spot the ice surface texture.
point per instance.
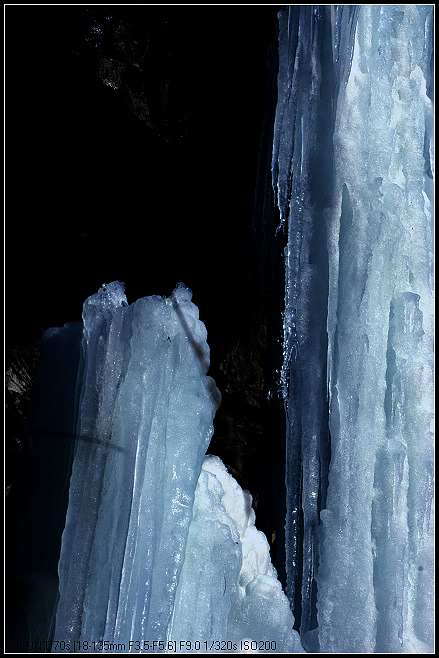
(140, 560)
(358, 326)
(228, 586)
(315, 47)
(161, 546)
(150, 413)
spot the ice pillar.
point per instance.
(352, 173)
(376, 556)
(309, 81)
(145, 422)
(160, 552)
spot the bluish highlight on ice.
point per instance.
(358, 322)
(160, 544)
(158, 547)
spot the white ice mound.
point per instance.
(228, 587)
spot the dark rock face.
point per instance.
(146, 61)
(239, 421)
(37, 485)
(21, 361)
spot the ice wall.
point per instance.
(309, 80)
(380, 326)
(157, 554)
(358, 324)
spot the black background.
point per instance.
(94, 194)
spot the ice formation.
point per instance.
(160, 545)
(157, 553)
(352, 173)
(229, 588)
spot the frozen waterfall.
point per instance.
(161, 551)
(352, 173)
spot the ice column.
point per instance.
(309, 81)
(377, 534)
(145, 423)
(160, 552)
(352, 174)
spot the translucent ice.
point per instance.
(159, 545)
(352, 172)
(315, 49)
(378, 524)
(149, 411)
(156, 549)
